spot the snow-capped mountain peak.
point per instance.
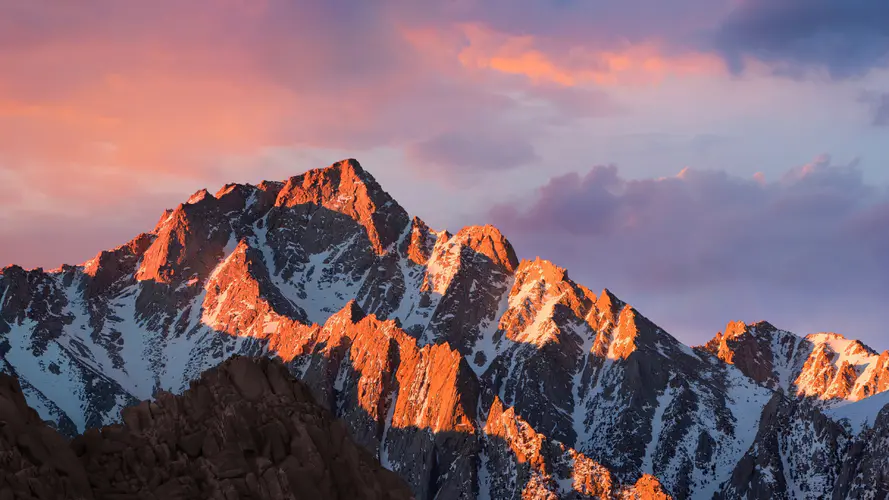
(447, 357)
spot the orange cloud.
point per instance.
(83, 101)
(640, 64)
(107, 105)
(92, 119)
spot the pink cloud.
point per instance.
(126, 103)
(157, 86)
(643, 63)
(96, 97)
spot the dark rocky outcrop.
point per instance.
(244, 430)
(35, 460)
(864, 472)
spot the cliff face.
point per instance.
(826, 368)
(521, 463)
(35, 460)
(246, 429)
(469, 373)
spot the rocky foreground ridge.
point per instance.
(245, 429)
(469, 373)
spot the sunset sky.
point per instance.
(706, 160)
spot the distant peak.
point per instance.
(343, 172)
(12, 269)
(824, 336)
(487, 240)
(609, 304)
(352, 312)
(840, 344)
(609, 295)
(352, 165)
(347, 188)
(198, 197)
(270, 185)
(834, 341)
(419, 242)
(764, 325)
(545, 270)
(226, 189)
(232, 187)
(735, 329)
(135, 247)
(348, 169)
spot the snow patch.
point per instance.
(860, 415)
(664, 400)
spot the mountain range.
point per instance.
(464, 370)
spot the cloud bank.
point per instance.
(845, 37)
(806, 249)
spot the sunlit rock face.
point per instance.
(827, 368)
(468, 372)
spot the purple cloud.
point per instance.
(815, 240)
(881, 111)
(845, 37)
(465, 151)
(604, 24)
(877, 104)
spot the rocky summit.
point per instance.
(465, 371)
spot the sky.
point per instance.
(707, 161)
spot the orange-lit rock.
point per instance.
(825, 367)
(468, 373)
(346, 188)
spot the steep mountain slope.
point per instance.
(865, 468)
(825, 367)
(797, 453)
(860, 415)
(245, 429)
(519, 462)
(415, 338)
